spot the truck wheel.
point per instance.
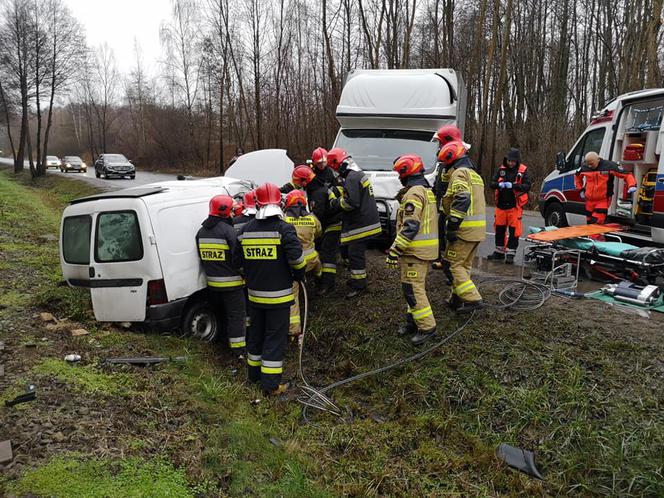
(200, 321)
(554, 215)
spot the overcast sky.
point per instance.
(118, 22)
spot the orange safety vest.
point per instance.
(521, 197)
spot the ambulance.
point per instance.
(628, 131)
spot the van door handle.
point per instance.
(660, 180)
(91, 272)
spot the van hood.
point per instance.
(262, 166)
(386, 184)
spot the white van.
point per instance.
(387, 113)
(628, 131)
(135, 248)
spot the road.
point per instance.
(142, 177)
(530, 218)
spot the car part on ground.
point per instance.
(146, 360)
(523, 460)
(631, 293)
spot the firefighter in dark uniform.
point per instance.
(415, 246)
(216, 241)
(271, 256)
(318, 195)
(360, 220)
(248, 211)
(323, 172)
(511, 184)
(308, 230)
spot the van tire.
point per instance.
(200, 321)
(554, 215)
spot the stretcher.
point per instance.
(609, 260)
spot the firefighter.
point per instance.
(271, 256)
(308, 229)
(464, 207)
(594, 180)
(512, 184)
(249, 211)
(319, 204)
(415, 246)
(444, 135)
(360, 220)
(322, 170)
(216, 240)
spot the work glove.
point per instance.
(451, 235)
(583, 195)
(453, 225)
(298, 275)
(631, 190)
(506, 184)
(392, 260)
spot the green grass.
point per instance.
(81, 477)
(87, 379)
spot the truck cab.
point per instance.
(628, 131)
(384, 114)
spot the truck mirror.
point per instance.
(561, 162)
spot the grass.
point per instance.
(79, 477)
(584, 395)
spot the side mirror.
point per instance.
(561, 162)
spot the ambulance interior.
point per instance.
(638, 149)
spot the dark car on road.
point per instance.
(110, 165)
(73, 163)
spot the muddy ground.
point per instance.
(575, 381)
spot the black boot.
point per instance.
(407, 328)
(324, 289)
(355, 292)
(496, 256)
(470, 306)
(422, 337)
(454, 303)
(509, 259)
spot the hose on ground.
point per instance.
(516, 294)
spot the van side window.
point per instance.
(118, 237)
(76, 239)
(591, 142)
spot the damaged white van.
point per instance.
(135, 248)
(384, 114)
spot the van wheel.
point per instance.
(554, 215)
(200, 321)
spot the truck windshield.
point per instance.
(377, 149)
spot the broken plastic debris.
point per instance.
(147, 360)
(73, 358)
(520, 459)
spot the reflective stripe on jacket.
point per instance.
(360, 218)
(417, 223)
(216, 241)
(464, 200)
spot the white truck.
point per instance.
(135, 248)
(384, 114)
(628, 131)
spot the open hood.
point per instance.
(386, 184)
(262, 166)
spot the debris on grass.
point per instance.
(520, 459)
(6, 454)
(79, 332)
(146, 360)
(46, 317)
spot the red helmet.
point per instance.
(221, 206)
(407, 165)
(319, 156)
(451, 152)
(446, 134)
(302, 175)
(238, 208)
(296, 198)
(335, 157)
(268, 194)
(250, 199)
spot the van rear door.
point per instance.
(75, 237)
(123, 259)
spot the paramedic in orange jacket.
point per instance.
(511, 184)
(595, 181)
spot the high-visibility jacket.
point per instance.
(417, 222)
(216, 241)
(271, 256)
(360, 214)
(442, 179)
(464, 201)
(308, 229)
(242, 220)
(597, 184)
(517, 196)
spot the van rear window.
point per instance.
(76, 239)
(118, 237)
